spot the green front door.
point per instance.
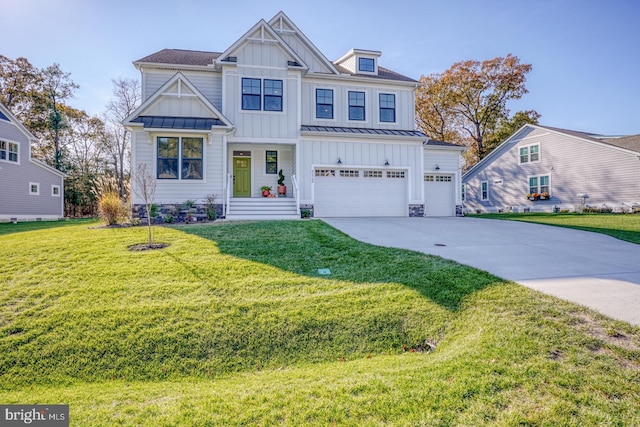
(242, 177)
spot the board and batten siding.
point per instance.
(606, 174)
(316, 65)
(316, 152)
(177, 191)
(404, 105)
(209, 84)
(263, 124)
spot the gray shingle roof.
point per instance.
(181, 57)
(629, 142)
(196, 57)
(369, 131)
(383, 73)
(160, 122)
(441, 143)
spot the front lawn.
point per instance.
(621, 226)
(232, 324)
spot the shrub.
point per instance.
(210, 207)
(111, 208)
(305, 213)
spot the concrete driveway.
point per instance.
(590, 269)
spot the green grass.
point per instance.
(232, 325)
(623, 227)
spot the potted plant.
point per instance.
(266, 190)
(544, 196)
(282, 189)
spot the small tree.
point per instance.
(145, 188)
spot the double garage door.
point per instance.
(360, 192)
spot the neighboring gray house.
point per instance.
(343, 132)
(29, 189)
(540, 168)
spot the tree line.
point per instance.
(93, 150)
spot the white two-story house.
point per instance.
(342, 133)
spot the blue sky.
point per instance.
(585, 53)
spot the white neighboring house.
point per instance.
(30, 190)
(342, 132)
(542, 169)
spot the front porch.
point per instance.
(254, 168)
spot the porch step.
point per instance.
(262, 208)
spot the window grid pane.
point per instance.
(387, 107)
(366, 64)
(533, 185)
(534, 155)
(324, 103)
(168, 157)
(356, 106)
(524, 154)
(544, 184)
(192, 158)
(273, 95)
(251, 93)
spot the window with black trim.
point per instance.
(356, 106)
(272, 95)
(179, 157)
(259, 94)
(271, 162)
(367, 65)
(324, 103)
(387, 107)
(251, 94)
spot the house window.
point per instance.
(9, 151)
(349, 173)
(174, 151)
(463, 193)
(271, 166)
(395, 174)
(55, 191)
(191, 158)
(529, 154)
(34, 188)
(539, 184)
(356, 106)
(251, 94)
(366, 64)
(325, 172)
(324, 104)
(484, 190)
(373, 174)
(387, 107)
(273, 95)
(429, 178)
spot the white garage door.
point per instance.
(439, 195)
(360, 192)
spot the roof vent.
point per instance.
(230, 59)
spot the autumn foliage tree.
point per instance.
(467, 104)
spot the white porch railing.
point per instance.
(228, 193)
(296, 192)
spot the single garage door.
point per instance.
(360, 192)
(439, 195)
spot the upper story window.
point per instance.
(356, 106)
(183, 152)
(272, 95)
(324, 104)
(387, 107)
(252, 94)
(9, 151)
(366, 64)
(530, 154)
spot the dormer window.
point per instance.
(366, 65)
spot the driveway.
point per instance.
(590, 269)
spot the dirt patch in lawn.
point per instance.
(147, 247)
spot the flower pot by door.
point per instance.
(282, 190)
